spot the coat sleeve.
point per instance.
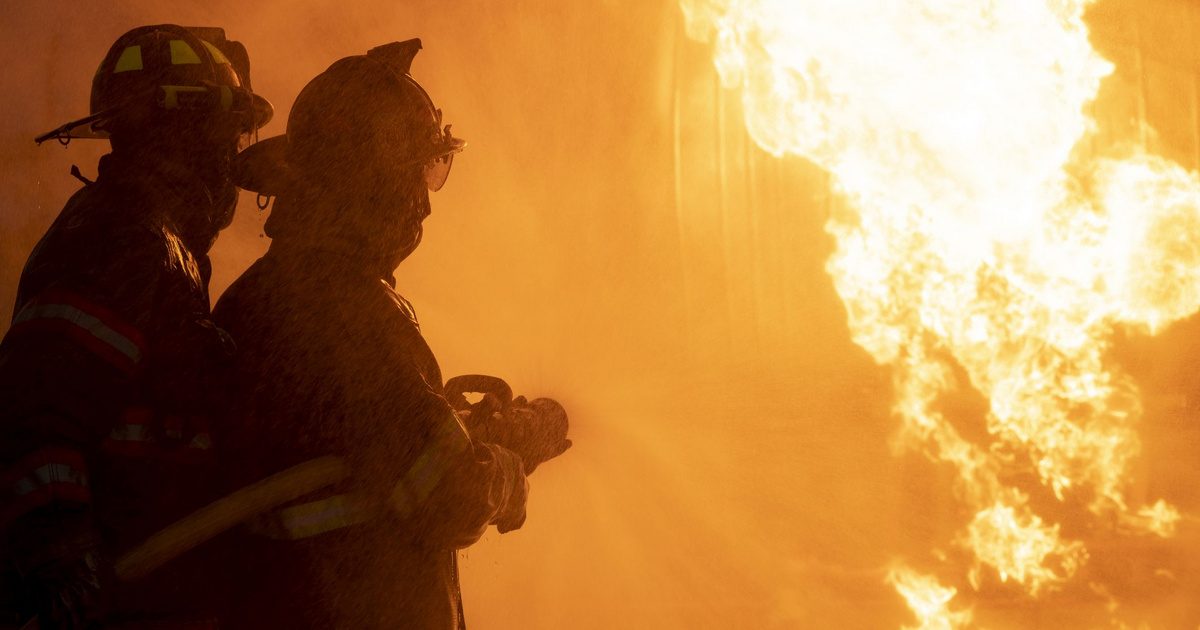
(417, 457)
(69, 372)
(113, 326)
(70, 364)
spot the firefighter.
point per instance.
(331, 361)
(110, 370)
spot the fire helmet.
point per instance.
(363, 107)
(173, 70)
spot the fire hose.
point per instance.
(496, 416)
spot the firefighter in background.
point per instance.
(108, 374)
(331, 361)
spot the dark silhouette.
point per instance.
(110, 371)
(331, 361)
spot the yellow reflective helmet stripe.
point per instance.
(216, 53)
(182, 53)
(130, 59)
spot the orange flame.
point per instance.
(983, 241)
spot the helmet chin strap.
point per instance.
(408, 251)
(419, 209)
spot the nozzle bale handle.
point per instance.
(457, 388)
(535, 429)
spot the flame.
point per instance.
(983, 247)
(1019, 546)
(928, 600)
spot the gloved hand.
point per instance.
(64, 577)
(513, 517)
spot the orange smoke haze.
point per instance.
(613, 238)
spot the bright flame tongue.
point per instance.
(928, 600)
(979, 239)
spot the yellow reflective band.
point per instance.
(226, 98)
(182, 54)
(216, 53)
(402, 502)
(431, 465)
(130, 59)
(425, 474)
(171, 94)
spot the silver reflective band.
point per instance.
(89, 323)
(24, 486)
(47, 474)
(129, 433)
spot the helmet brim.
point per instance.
(264, 111)
(88, 127)
(84, 128)
(263, 167)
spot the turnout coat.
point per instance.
(109, 375)
(331, 361)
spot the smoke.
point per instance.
(610, 238)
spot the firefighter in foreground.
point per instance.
(331, 362)
(107, 375)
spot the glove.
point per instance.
(64, 576)
(513, 517)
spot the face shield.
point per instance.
(435, 170)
